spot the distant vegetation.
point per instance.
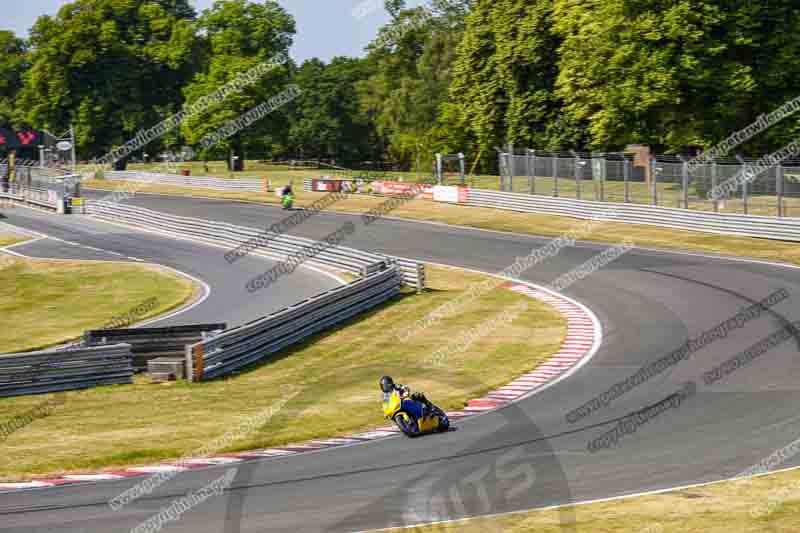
(455, 75)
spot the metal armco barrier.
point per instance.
(36, 197)
(255, 341)
(151, 343)
(787, 229)
(53, 371)
(282, 246)
(235, 348)
(244, 185)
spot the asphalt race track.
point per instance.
(523, 456)
(228, 300)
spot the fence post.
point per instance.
(510, 174)
(743, 172)
(511, 162)
(603, 176)
(503, 171)
(578, 171)
(744, 196)
(626, 176)
(654, 178)
(461, 166)
(599, 175)
(439, 170)
(714, 185)
(501, 168)
(779, 187)
(685, 182)
(531, 171)
(555, 174)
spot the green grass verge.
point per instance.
(530, 223)
(668, 194)
(47, 302)
(764, 504)
(7, 239)
(334, 379)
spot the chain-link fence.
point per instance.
(667, 181)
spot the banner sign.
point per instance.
(19, 139)
(5, 137)
(325, 186)
(399, 188)
(453, 195)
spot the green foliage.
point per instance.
(450, 76)
(110, 67)
(412, 60)
(13, 63)
(238, 36)
(503, 88)
(676, 73)
(326, 119)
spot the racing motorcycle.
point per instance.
(434, 421)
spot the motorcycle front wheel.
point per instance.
(404, 422)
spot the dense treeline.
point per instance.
(455, 75)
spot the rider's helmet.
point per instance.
(387, 384)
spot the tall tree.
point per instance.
(241, 35)
(326, 119)
(503, 89)
(413, 58)
(13, 63)
(109, 67)
(677, 73)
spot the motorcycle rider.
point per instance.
(416, 405)
(287, 196)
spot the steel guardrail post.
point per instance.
(189, 363)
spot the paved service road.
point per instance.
(525, 455)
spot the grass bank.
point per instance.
(334, 373)
(52, 301)
(530, 223)
(764, 504)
